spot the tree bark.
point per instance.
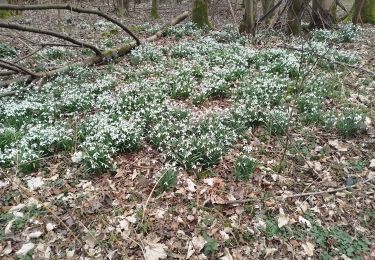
(154, 9)
(249, 19)
(363, 11)
(200, 13)
(295, 10)
(324, 13)
(122, 7)
(266, 7)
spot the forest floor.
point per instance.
(202, 145)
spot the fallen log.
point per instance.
(51, 33)
(105, 57)
(69, 8)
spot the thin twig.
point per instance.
(50, 33)
(300, 194)
(327, 191)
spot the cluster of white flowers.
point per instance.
(146, 52)
(103, 136)
(187, 29)
(347, 33)
(146, 104)
(36, 141)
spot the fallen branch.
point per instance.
(107, 56)
(231, 202)
(69, 8)
(16, 68)
(51, 33)
(328, 191)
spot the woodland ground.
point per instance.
(143, 157)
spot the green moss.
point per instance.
(5, 14)
(368, 12)
(200, 13)
(294, 27)
(154, 10)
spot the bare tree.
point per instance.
(324, 13)
(295, 10)
(363, 11)
(154, 9)
(200, 13)
(248, 23)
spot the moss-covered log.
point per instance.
(199, 13)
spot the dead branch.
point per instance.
(28, 55)
(51, 33)
(16, 68)
(330, 190)
(269, 12)
(72, 9)
(107, 56)
(231, 202)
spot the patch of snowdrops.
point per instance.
(94, 116)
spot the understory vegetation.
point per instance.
(193, 102)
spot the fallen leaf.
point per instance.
(198, 243)
(191, 185)
(209, 181)
(282, 219)
(227, 255)
(308, 248)
(155, 251)
(35, 234)
(25, 249)
(7, 250)
(339, 147)
(372, 164)
(35, 183)
(304, 221)
(270, 251)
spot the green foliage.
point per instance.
(278, 121)
(211, 246)
(167, 181)
(347, 33)
(57, 53)
(199, 14)
(341, 240)
(6, 50)
(244, 167)
(145, 52)
(350, 122)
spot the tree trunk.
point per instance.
(324, 13)
(294, 16)
(248, 23)
(122, 7)
(363, 11)
(199, 13)
(154, 9)
(266, 6)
